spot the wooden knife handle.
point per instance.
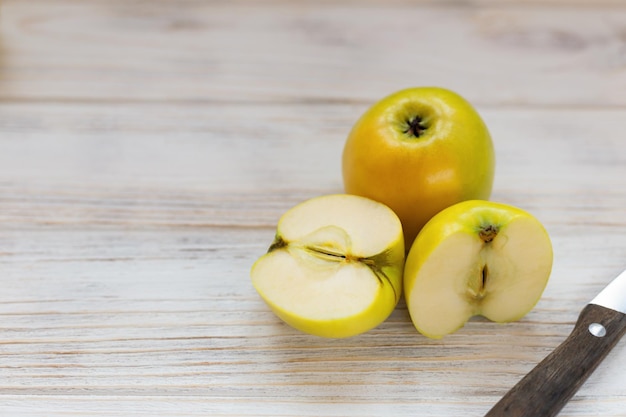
(546, 389)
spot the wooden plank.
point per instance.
(549, 53)
(243, 165)
(151, 318)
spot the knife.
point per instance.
(545, 390)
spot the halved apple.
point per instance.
(335, 266)
(476, 258)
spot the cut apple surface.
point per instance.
(476, 258)
(335, 266)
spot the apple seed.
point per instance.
(477, 287)
(483, 282)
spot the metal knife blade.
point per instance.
(546, 389)
(613, 296)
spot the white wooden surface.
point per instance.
(147, 150)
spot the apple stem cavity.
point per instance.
(415, 127)
(488, 233)
(278, 243)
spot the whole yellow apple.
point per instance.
(419, 151)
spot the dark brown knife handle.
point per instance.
(548, 387)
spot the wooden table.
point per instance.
(148, 148)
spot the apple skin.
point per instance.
(452, 160)
(374, 315)
(305, 258)
(522, 259)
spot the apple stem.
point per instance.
(415, 128)
(488, 233)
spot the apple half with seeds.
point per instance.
(335, 266)
(476, 258)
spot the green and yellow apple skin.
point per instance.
(419, 151)
(476, 258)
(335, 266)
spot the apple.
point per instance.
(335, 266)
(476, 258)
(419, 151)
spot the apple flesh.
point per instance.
(476, 258)
(335, 266)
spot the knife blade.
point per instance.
(546, 389)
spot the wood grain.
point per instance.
(147, 150)
(504, 53)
